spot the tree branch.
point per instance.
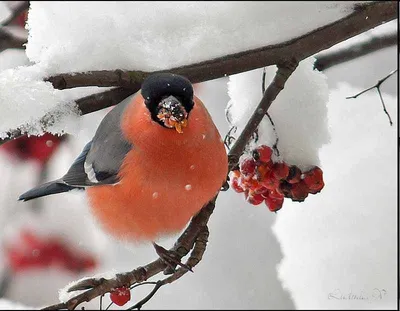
(349, 53)
(364, 17)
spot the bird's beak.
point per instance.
(179, 125)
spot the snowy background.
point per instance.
(339, 242)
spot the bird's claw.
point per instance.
(170, 258)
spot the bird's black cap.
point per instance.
(160, 85)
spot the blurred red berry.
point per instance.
(314, 180)
(262, 169)
(248, 167)
(120, 295)
(260, 190)
(275, 194)
(294, 175)
(273, 204)
(38, 148)
(285, 188)
(254, 198)
(262, 154)
(236, 186)
(270, 182)
(280, 170)
(250, 183)
(299, 191)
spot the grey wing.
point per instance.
(101, 159)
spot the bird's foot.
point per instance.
(170, 258)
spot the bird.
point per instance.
(152, 164)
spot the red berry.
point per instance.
(276, 194)
(285, 188)
(254, 198)
(280, 170)
(120, 295)
(262, 169)
(248, 167)
(299, 191)
(294, 175)
(262, 154)
(236, 186)
(273, 204)
(250, 184)
(314, 180)
(260, 190)
(270, 182)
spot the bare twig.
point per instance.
(275, 146)
(378, 88)
(329, 59)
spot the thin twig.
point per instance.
(275, 146)
(377, 86)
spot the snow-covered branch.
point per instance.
(364, 17)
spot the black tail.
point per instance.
(52, 187)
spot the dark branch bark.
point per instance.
(349, 53)
(363, 18)
(9, 41)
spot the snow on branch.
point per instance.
(364, 17)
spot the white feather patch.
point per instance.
(90, 172)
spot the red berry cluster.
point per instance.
(36, 253)
(120, 295)
(262, 180)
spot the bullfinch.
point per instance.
(152, 163)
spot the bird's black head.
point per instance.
(169, 98)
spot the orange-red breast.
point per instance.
(152, 164)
